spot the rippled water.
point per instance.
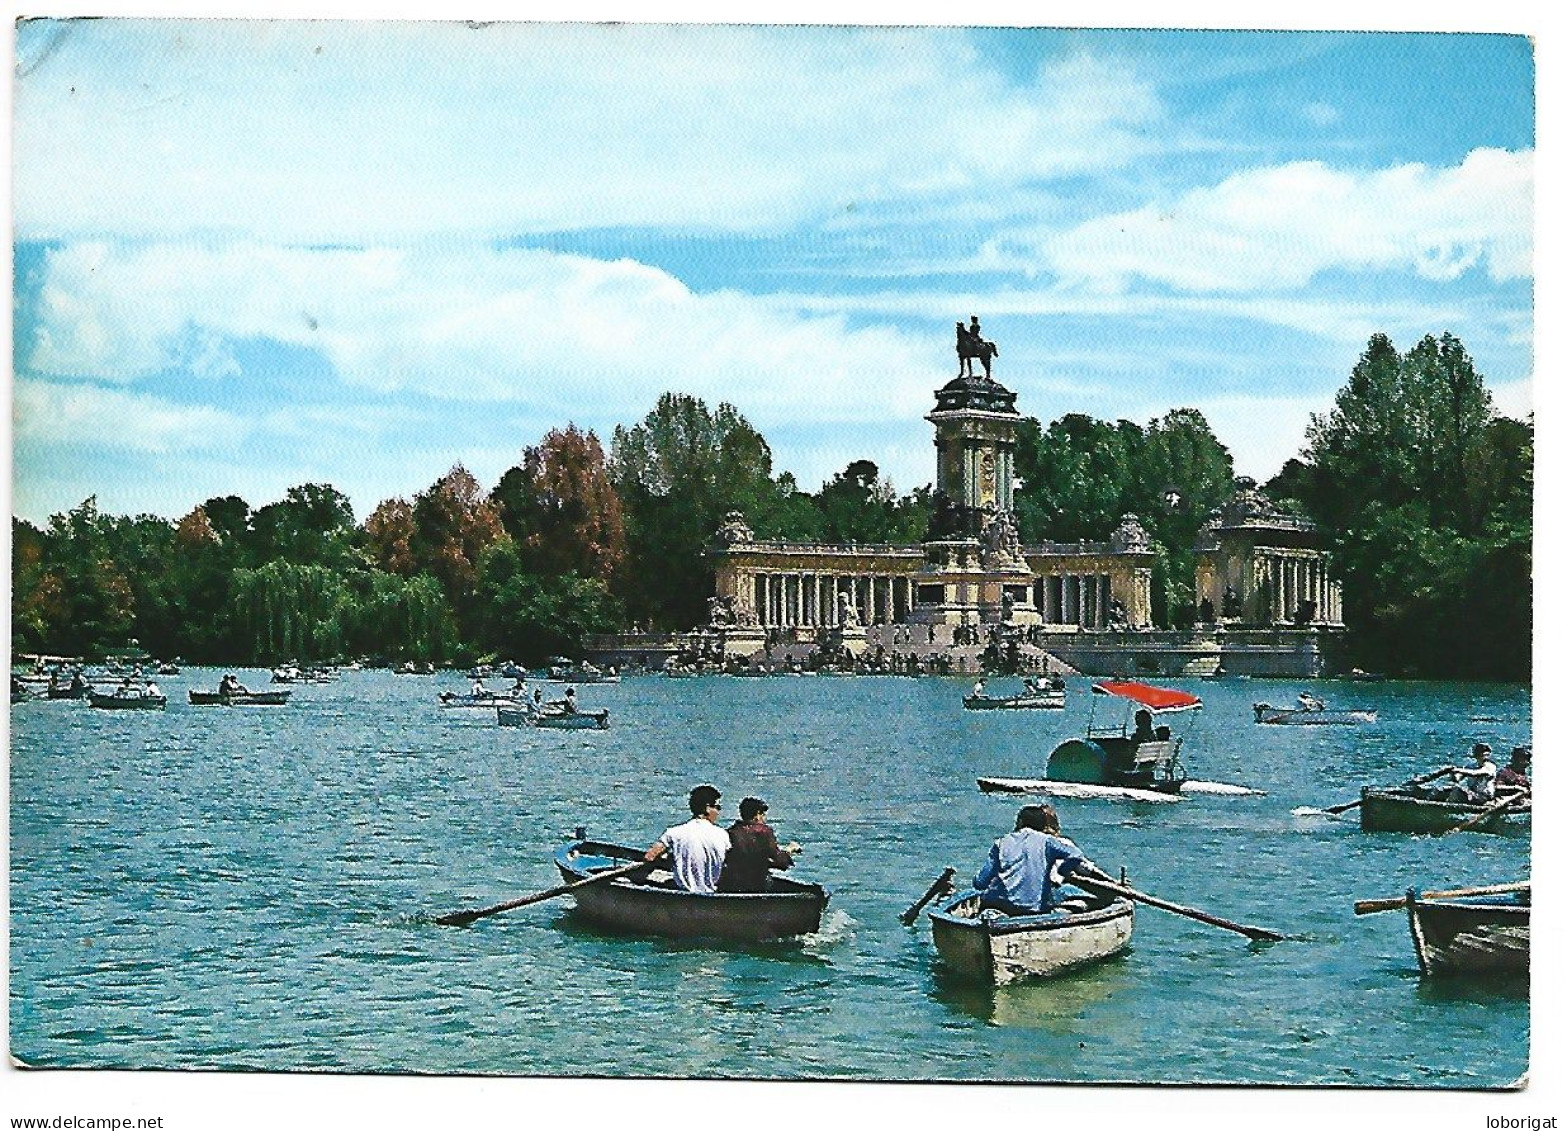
(213, 888)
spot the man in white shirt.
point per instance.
(698, 847)
(1476, 786)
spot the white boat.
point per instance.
(1045, 699)
(1312, 712)
(1080, 790)
(488, 700)
(988, 946)
(553, 718)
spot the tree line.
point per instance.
(1424, 492)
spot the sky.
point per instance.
(251, 255)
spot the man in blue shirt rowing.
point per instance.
(1026, 869)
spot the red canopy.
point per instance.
(1154, 698)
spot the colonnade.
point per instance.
(1286, 582)
(1082, 599)
(798, 599)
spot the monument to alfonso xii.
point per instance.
(1262, 583)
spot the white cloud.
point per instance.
(552, 331)
(1278, 228)
(360, 133)
(1513, 398)
(91, 416)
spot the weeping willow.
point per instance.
(286, 611)
(405, 618)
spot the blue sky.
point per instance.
(251, 255)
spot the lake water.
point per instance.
(252, 889)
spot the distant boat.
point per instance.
(1485, 935)
(654, 906)
(989, 946)
(123, 701)
(1048, 699)
(239, 698)
(553, 718)
(1312, 712)
(485, 699)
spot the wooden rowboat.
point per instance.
(1312, 716)
(992, 947)
(239, 698)
(553, 719)
(1486, 935)
(1401, 811)
(653, 905)
(137, 702)
(486, 700)
(1039, 701)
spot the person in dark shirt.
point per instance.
(1515, 775)
(753, 850)
(1145, 731)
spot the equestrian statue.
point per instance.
(971, 346)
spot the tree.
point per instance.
(561, 509)
(531, 616)
(312, 525)
(1426, 497)
(453, 523)
(389, 536)
(678, 472)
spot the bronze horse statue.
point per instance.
(972, 346)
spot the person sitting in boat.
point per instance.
(979, 690)
(1057, 683)
(151, 690)
(569, 704)
(230, 685)
(1145, 731)
(78, 681)
(1515, 775)
(1309, 702)
(753, 850)
(1477, 785)
(698, 847)
(479, 690)
(1026, 869)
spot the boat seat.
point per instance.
(1153, 753)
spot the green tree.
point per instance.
(678, 472)
(287, 611)
(530, 616)
(1426, 496)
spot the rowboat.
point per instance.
(1400, 810)
(1486, 934)
(120, 702)
(1312, 713)
(485, 699)
(239, 698)
(989, 946)
(1110, 756)
(652, 905)
(1048, 700)
(552, 718)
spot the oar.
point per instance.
(943, 882)
(1256, 933)
(1347, 806)
(463, 918)
(1487, 813)
(1372, 906)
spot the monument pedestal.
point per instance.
(744, 641)
(854, 640)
